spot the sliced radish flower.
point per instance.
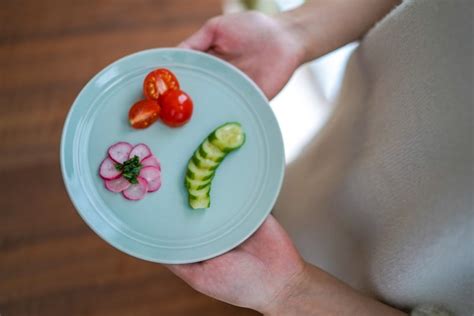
(151, 161)
(107, 169)
(140, 150)
(153, 176)
(149, 179)
(117, 185)
(120, 151)
(136, 191)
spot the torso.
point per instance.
(382, 198)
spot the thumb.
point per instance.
(203, 39)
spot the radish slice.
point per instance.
(151, 161)
(140, 150)
(136, 191)
(120, 151)
(107, 169)
(153, 176)
(117, 185)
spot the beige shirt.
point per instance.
(383, 196)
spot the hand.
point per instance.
(261, 46)
(267, 274)
(255, 275)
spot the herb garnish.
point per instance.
(130, 169)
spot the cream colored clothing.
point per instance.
(383, 196)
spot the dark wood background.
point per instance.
(51, 263)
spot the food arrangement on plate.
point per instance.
(134, 170)
(172, 155)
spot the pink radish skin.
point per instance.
(120, 151)
(107, 170)
(117, 185)
(140, 150)
(153, 176)
(137, 191)
(151, 161)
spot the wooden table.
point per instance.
(51, 263)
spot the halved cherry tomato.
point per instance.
(176, 108)
(158, 82)
(144, 113)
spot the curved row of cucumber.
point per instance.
(205, 160)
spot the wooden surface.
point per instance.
(51, 263)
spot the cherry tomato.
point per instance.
(157, 82)
(144, 113)
(176, 108)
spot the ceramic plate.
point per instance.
(162, 227)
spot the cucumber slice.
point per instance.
(192, 184)
(228, 137)
(197, 173)
(198, 203)
(204, 163)
(210, 151)
(205, 160)
(199, 193)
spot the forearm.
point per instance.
(321, 26)
(318, 293)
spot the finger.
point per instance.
(271, 236)
(187, 272)
(203, 39)
(184, 271)
(260, 235)
(268, 225)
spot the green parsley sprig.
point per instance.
(130, 169)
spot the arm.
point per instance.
(269, 49)
(266, 273)
(321, 26)
(318, 293)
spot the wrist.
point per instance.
(290, 298)
(315, 292)
(295, 34)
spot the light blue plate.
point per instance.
(162, 227)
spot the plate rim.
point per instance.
(132, 252)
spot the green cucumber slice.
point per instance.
(199, 203)
(210, 151)
(192, 184)
(228, 137)
(199, 193)
(196, 173)
(204, 163)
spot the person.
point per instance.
(380, 203)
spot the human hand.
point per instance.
(261, 46)
(267, 274)
(257, 274)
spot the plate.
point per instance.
(162, 227)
